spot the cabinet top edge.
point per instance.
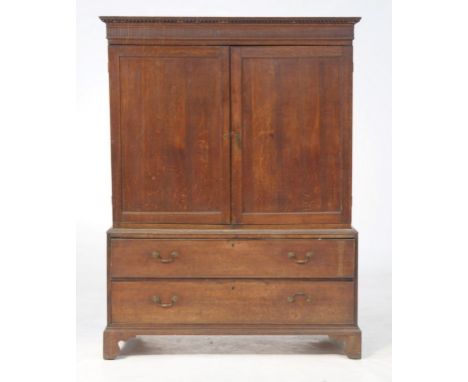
(229, 20)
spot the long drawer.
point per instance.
(232, 301)
(282, 258)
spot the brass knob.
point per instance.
(308, 256)
(157, 301)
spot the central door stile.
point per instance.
(236, 136)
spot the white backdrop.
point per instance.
(371, 137)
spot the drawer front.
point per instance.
(233, 301)
(331, 258)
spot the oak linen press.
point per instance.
(231, 178)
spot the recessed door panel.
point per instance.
(291, 116)
(170, 134)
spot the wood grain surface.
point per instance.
(232, 258)
(171, 134)
(233, 301)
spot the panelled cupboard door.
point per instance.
(170, 134)
(291, 119)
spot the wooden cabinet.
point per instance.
(231, 178)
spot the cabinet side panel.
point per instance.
(114, 95)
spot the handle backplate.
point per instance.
(157, 301)
(170, 259)
(299, 294)
(308, 256)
